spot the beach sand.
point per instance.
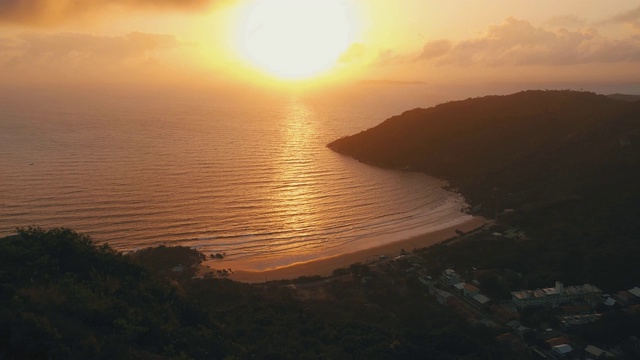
(325, 266)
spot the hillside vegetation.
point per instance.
(63, 297)
(566, 162)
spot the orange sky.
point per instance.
(229, 41)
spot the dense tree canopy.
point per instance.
(61, 296)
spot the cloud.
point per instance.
(566, 21)
(389, 57)
(631, 17)
(517, 42)
(81, 54)
(96, 47)
(386, 57)
(53, 12)
(434, 49)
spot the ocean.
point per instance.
(244, 173)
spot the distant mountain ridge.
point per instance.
(567, 162)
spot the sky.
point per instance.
(275, 42)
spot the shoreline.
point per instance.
(325, 266)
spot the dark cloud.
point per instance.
(53, 12)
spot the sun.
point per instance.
(295, 39)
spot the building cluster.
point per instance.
(557, 295)
(451, 279)
(552, 344)
(575, 305)
(572, 300)
(626, 299)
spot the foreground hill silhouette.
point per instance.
(63, 297)
(566, 162)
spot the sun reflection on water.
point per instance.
(294, 188)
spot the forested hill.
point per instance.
(567, 162)
(537, 142)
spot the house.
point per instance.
(561, 340)
(427, 280)
(561, 350)
(450, 277)
(470, 290)
(481, 299)
(624, 298)
(610, 301)
(444, 297)
(517, 327)
(459, 286)
(569, 321)
(593, 352)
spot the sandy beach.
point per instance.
(325, 266)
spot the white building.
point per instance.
(556, 295)
(481, 299)
(450, 277)
(562, 350)
(596, 353)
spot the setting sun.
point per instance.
(295, 39)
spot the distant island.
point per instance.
(390, 82)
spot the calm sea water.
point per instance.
(246, 174)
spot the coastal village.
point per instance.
(572, 306)
(539, 323)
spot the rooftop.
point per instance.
(460, 286)
(562, 349)
(470, 288)
(555, 291)
(449, 272)
(551, 291)
(444, 294)
(481, 299)
(595, 351)
(582, 289)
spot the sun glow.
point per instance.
(295, 39)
